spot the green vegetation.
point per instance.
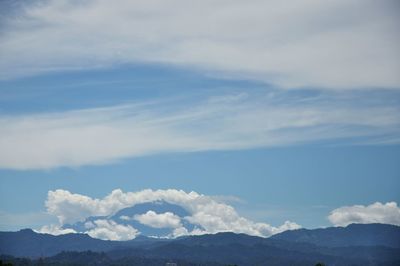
(5, 263)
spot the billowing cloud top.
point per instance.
(388, 213)
(331, 44)
(204, 214)
(163, 220)
(207, 214)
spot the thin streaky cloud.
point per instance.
(227, 122)
(330, 44)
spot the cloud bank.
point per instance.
(162, 220)
(207, 214)
(56, 230)
(330, 44)
(225, 122)
(110, 230)
(388, 213)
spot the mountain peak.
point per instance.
(137, 216)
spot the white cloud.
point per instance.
(209, 215)
(159, 220)
(110, 230)
(71, 208)
(89, 225)
(226, 219)
(125, 218)
(104, 135)
(68, 207)
(334, 44)
(388, 213)
(181, 231)
(55, 230)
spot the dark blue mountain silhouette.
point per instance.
(27, 243)
(359, 244)
(352, 235)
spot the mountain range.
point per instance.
(356, 244)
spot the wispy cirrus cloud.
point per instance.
(330, 44)
(227, 122)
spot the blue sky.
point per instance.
(237, 114)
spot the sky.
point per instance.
(258, 116)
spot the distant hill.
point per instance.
(352, 235)
(27, 243)
(353, 245)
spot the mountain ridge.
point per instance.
(212, 249)
(351, 235)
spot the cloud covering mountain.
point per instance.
(172, 213)
(388, 213)
(204, 215)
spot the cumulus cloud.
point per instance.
(388, 213)
(182, 231)
(207, 214)
(68, 207)
(230, 221)
(334, 44)
(54, 229)
(89, 225)
(159, 220)
(104, 135)
(110, 230)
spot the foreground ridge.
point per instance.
(371, 244)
